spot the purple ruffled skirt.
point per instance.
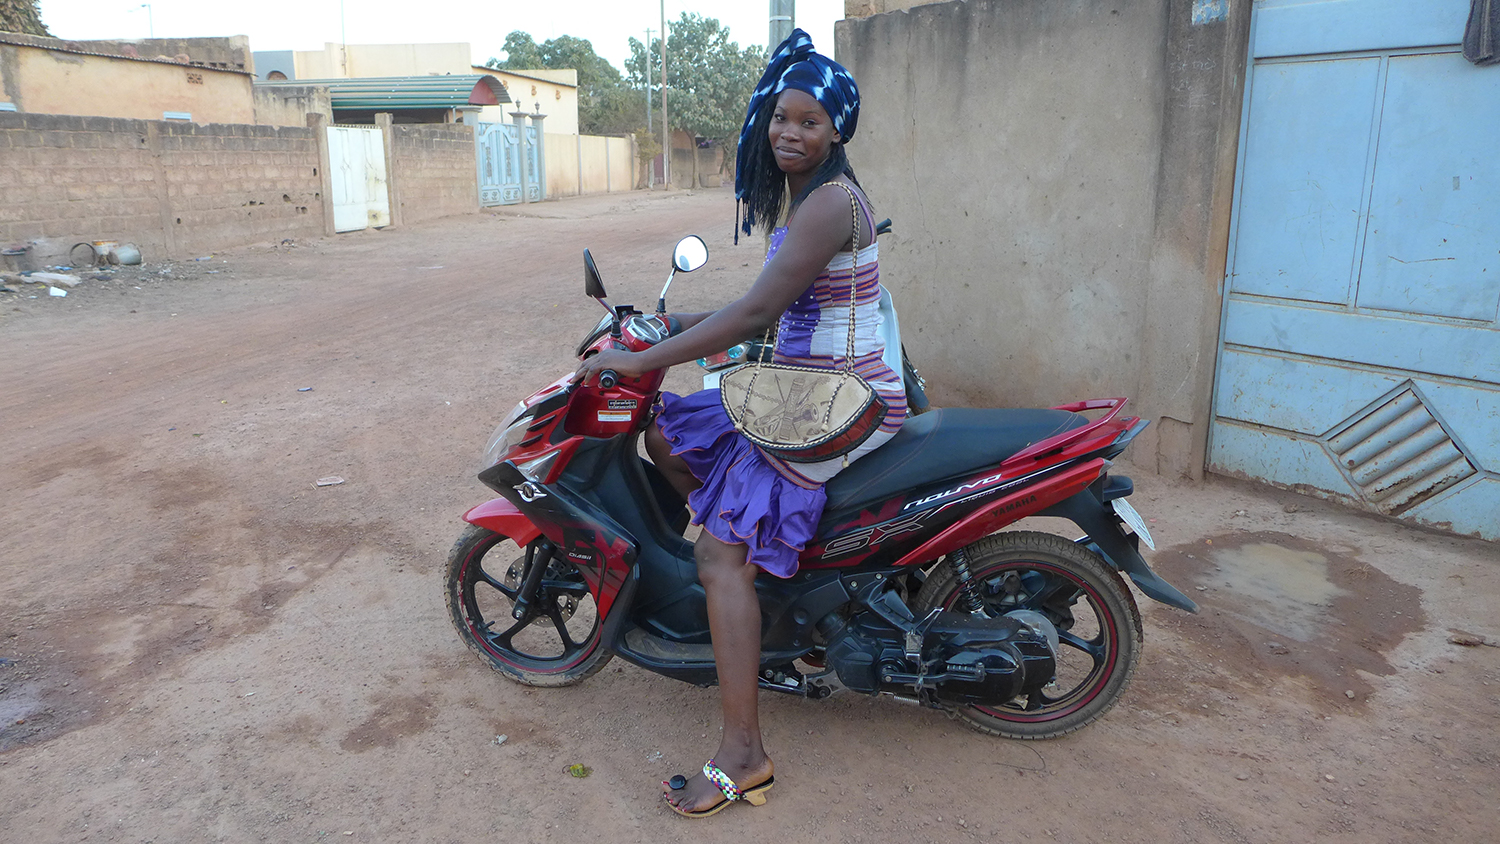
(744, 499)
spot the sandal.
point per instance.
(755, 795)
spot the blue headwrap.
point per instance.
(795, 65)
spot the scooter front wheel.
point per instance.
(1098, 626)
(556, 642)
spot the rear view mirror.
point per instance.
(592, 284)
(690, 254)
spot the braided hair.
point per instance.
(765, 184)
(759, 183)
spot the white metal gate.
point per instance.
(1360, 352)
(356, 165)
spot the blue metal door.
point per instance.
(497, 146)
(1360, 348)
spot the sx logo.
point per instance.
(872, 535)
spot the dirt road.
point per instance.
(198, 644)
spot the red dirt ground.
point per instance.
(200, 645)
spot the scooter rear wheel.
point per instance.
(1097, 621)
(557, 643)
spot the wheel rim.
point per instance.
(1088, 634)
(560, 628)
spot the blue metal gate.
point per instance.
(1360, 348)
(497, 146)
(501, 148)
(530, 151)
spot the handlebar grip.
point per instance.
(608, 378)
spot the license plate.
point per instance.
(1128, 514)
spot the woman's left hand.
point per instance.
(625, 364)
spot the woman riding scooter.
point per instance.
(758, 511)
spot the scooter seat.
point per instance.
(941, 444)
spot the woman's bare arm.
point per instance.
(689, 320)
(821, 228)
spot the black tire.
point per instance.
(480, 590)
(1082, 596)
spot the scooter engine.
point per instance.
(952, 658)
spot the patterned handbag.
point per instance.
(804, 414)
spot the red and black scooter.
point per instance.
(908, 589)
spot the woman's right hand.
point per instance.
(624, 364)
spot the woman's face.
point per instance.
(801, 134)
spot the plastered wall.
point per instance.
(555, 91)
(1058, 173)
(289, 105)
(46, 81)
(588, 164)
(367, 60)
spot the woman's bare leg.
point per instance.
(673, 467)
(734, 623)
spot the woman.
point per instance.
(757, 511)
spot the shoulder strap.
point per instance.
(853, 269)
(856, 204)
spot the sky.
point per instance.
(307, 24)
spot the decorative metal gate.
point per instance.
(356, 159)
(500, 148)
(530, 150)
(497, 147)
(1360, 350)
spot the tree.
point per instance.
(521, 53)
(22, 16)
(709, 79)
(603, 99)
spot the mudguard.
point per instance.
(503, 518)
(1104, 536)
(603, 551)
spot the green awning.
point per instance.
(396, 93)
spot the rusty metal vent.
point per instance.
(1397, 452)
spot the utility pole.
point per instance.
(666, 139)
(783, 21)
(150, 22)
(646, 59)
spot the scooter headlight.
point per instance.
(508, 435)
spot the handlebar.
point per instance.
(608, 378)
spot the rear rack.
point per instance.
(1059, 441)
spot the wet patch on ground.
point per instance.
(395, 717)
(40, 699)
(1272, 604)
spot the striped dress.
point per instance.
(748, 496)
(814, 332)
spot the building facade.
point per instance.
(51, 76)
(1248, 217)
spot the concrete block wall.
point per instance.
(433, 171)
(234, 183)
(174, 189)
(64, 179)
(180, 190)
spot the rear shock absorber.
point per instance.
(960, 562)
